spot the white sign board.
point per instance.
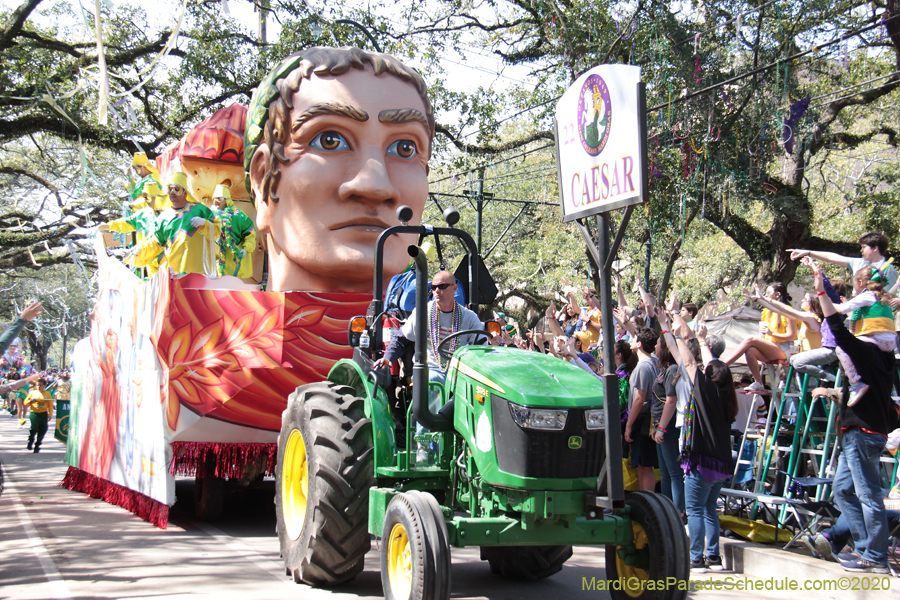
(599, 142)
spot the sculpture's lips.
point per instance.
(373, 225)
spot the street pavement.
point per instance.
(56, 544)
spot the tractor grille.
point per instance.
(546, 454)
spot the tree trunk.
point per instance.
(38, 349)
(663, 290)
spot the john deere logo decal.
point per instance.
(594, 115)
(575, 442)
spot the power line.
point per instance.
(521, 172)
(540, 176)
(850, 95)
(483, 70)
(505, 200)
(495, 162)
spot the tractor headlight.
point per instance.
(538, 418)
(595, 418)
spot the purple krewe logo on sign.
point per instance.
(594, 115)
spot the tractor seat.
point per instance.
(447, 410)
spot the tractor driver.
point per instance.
(445, 316)
(337, 139)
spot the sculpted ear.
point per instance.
(259, 166)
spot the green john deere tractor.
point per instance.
(519, 465)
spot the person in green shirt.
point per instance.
(185, 232)
(236, 240)
(147, 173)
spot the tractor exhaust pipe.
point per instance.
(421, 410)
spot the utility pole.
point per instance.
(263, 8)
(65, 333)
(479, 207)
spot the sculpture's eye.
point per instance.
(403, 149)
(330, 141)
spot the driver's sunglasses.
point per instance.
(176, 189)
(442, 286)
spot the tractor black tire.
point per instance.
(209, 495)
(661, 539)
(526, 563)
(322, 486)
(415, 556)
(438, 537)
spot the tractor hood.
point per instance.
(527, 378)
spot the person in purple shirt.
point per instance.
(812, 361)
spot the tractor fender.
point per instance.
(348, 372)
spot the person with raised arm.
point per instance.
(705, 444)
(873, 322)
(811, 361)
(872, 249)
(31, 312)
(864, 431)
(591, 319)
(774, 342)
(637, 428)
(646, 306)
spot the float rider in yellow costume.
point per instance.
(186, 232)
(236, 236)
(147, 173)
(142, 220)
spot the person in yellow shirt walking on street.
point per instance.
(41, 404)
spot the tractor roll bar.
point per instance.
(421, 410)
(377, 305)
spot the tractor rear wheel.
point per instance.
(415, 553)
(527, 563)
(325, 470)
(662, 552)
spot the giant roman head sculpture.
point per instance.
(336, 140)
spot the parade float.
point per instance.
(188, 375)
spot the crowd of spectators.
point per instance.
(25, 393)
(678, 399)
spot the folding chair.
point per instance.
(814, 511)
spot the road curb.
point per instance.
(770, 562)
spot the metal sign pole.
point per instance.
(615, 488)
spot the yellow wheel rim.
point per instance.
(399, 562)
(633, 577)
(294, 485)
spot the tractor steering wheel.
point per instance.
(444, 341)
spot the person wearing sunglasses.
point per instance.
(185, 233)
(445, 317)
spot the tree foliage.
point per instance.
(735, 179)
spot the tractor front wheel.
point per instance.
(415, 549)
(661, 551)
(322, 483)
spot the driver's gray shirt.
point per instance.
(468, 320)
